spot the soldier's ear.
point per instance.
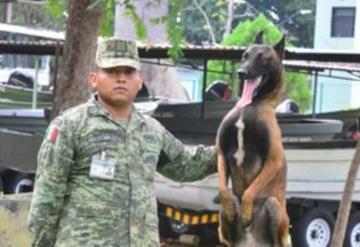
(142, 81)
(259, 38)
(93, 80)
(280, 47)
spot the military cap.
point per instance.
(114, 52)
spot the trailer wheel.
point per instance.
(18, 183)
(24, 184)
(314, 229)
(171, 228)
(352, 235)
(178, 227)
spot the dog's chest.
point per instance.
(245, 141)
(249, 154)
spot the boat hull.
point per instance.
(312, 174)
(21, 98)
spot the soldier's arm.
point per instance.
(55, 159)
(182, 163)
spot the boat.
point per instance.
(316, 170)
(21, 97)
(195, 123)
(18, 150)
(311, 148)
(24, 120)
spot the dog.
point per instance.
(265, 213)
(250, 152)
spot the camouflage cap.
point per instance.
(114, 52)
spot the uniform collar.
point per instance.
(96, 109)
(136, 120)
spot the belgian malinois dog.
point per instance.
(251, 153)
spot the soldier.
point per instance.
(96, 166)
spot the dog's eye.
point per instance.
(268, 59)
(265, 60)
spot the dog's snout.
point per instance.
(242, 73)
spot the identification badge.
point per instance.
(101, 167)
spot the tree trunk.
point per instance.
(78, 55)
(345, 204)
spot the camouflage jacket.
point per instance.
(95, 178)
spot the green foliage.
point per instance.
(195, 28)
(39, 16)
(296, 85)
(300, 27)
(174, 30)
(140, 29)
(173, 27)
(107, 25)
(56, 8)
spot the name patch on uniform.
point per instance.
(101, 167)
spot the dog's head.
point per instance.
(261, 69)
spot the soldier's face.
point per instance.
(117, 86)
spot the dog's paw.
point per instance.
(230, 206)
(245, 223)
(246, 213)
(246, 209)
(286, 241)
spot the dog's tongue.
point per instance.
(249, 87)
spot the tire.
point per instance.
(171, 228)
(352, 235)
(313, 229)
(16, 183)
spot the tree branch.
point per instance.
(228, 25)
(212, 35)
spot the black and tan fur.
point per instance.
(250, 152)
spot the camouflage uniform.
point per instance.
(72, 208)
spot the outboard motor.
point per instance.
(20, 78)
(287, 106)
(218, 91)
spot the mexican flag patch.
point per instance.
(53, 131)
(52, 135)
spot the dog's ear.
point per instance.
(280, 47)
(259, 38)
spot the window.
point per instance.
(343, 22)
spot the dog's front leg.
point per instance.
(271, 168)
(228, 200)
(261, 181)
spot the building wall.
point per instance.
(323, 39)
(357, 27)
(334, 93)
(355, 98)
